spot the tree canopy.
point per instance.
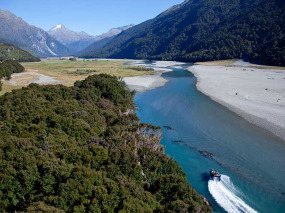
(7, 68)
(83, 149)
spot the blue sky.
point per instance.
(92, 16)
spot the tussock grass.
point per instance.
(217, 63)
(67, 72)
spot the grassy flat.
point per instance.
(67, 72)
(229, 63)
(217, 63)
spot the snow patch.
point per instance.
(59, 26)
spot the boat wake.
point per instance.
(227, 196)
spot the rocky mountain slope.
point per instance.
(9, 51)
(113, 32)
(36, 41)
(74, 41)
(77, 41)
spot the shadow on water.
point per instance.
(205, 177)
(175, 74)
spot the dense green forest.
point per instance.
(7, 68)
(10, 52)
(205, 30)
(83, 149)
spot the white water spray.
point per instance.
(227, 197)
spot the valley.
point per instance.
(142, 106)
(66, 72)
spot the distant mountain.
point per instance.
(89, 51)
(74, 41)
(113, 32)
(77, 41)
(9, 51)
(202, 30)
(16, 31)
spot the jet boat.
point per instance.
(215, 175)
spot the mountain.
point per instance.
(112, 32)
(9, 51)
(36, 41)
(102, 40)
(93, 47)
(202, 30)
(77, 41)
(74, 41)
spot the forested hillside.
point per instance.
(9, 51)
(82, 149)
(204, 30)
(7, 68)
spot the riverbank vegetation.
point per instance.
(7, 68)
(141, 68)
(82, 149)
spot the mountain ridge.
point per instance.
(77, 41)
(74, 41)
(113, 31)
(205, 30)
(29, 37)
(11, 52)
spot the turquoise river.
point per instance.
(206, 136)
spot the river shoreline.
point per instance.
(255, 94)
(248, 157)
(149, 82)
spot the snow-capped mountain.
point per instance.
(59, 26)
(74, 41)
(77, 41)
(59, 41)
(16, 31)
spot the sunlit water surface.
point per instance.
(251, 159)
